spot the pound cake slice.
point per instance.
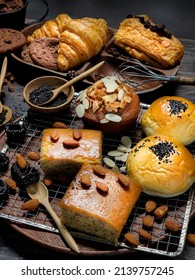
(99, 202)
(64, 151)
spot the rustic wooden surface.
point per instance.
(14, 241)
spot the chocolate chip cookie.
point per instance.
(11, 40)
(44, 52)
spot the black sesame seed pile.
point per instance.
(163, 150)
(177, 107)
(40, 95)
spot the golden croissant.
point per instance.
(51, 28)
(81, 40)
(148, 42)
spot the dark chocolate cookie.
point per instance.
(11, 40)
(44, 52)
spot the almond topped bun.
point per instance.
(109, 105)
(163, 166)
(173, 116)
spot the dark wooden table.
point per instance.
(178, 16)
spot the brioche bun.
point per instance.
(110, 97)
(163, 166)
(173, 116)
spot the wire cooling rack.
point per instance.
(164, 242)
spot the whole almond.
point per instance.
(22, 163)
(85, 180)
(99, 170)
(71, 143)
(150, 205)
(77, 134)
(59, 125)
(172, 225)
(33, 156)
(54, 135)
(145, 234)
(131, 238)
(11, 183)
(48, 181)
(161, 211)
(191, 238)
(148, 221)
(124, 180)
(102, 187)
(31, 204)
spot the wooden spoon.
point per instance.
(39, 191)
(3, 107)
(74, 80)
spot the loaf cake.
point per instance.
(163, 166)
(63, 151)
(99, 202)
(113, 106)
(173, 116)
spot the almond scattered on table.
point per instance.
(22, 163)
(11, 183)
(131, 238)
(161, 211)
(191, 238)
(31, 204)
(145, 234)
(59, 125)
(148, 221)
(33, 156)
(48, 181)
(172, 225)
(150, 206)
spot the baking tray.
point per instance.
(163, 243)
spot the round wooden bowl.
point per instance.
(48, 81)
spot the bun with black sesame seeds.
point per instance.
(163, 166)
(173, 116)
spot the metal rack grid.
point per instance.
(165, 243)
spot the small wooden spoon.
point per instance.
(3, 107)
(74, 80)
(39, 191)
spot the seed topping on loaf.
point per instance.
(163, 150)
(177, 107)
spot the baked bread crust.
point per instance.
(57, 158)
(173, 116)
(163, 166)
(147, 44)
(99, 214)
(100, 106)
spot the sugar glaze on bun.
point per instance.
(173, 116)
(163, 166)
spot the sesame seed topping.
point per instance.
(177, 107)
(163, 150)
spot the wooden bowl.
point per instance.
(48, 81)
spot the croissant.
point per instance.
(148, 42)
(80, 40)
(51, 28)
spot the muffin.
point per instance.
(109, 105)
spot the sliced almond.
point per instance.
(85, 103)
(71, 143)
(124, 157)
(110, 163)
(104, 121)
(102, 187)
(120, 94)
(95, 106)
(145, 234)
(110, 84)
(123, 169)
(126, 141)
(122, 148)
(54, 135)
(113, 117)
(80, 110)
(22, 163)
(127, 99)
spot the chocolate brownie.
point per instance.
(44, 52)
(11, 40)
